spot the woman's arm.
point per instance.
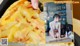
(51, 32)
(51, 25)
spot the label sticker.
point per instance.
(4, 41)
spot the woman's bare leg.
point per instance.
(51, 34)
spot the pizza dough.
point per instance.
(21, 23)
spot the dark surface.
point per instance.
(76, 40)
(5, 4)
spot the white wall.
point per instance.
(69, 13)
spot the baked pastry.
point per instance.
(21, 23)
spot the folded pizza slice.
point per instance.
(21, 23)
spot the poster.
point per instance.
(36, 23)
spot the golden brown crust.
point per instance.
(21, 23)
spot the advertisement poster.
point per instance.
(36, 23)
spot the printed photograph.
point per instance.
(35, 23)
(58, 18)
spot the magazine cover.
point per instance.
(36, 23)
